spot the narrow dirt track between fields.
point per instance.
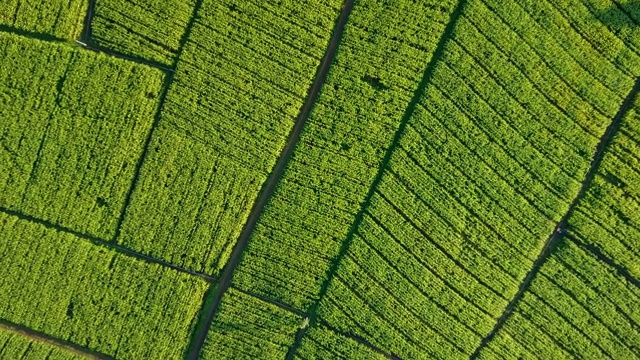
(269, 186)
(557, 235)
(41, 337)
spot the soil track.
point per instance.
(557, 235)
(40, 337)
(270, 185)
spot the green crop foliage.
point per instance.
(226, 118)
(363, 100)
(322, 343)
(17, 346)
(111, 303)
(577, 306)
(74, 125)
(608, 216)
(249, 328)
(63, 19)
(146, 29)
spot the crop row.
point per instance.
(72, 290)
(17, 346)
(248, 328)
(227, 115)
(323, 343)
(58, 18)
(148, 29)
(74, 125)
(376, 69)
(576, 306)
(608, 216)
(476, 184)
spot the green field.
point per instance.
(381, 179)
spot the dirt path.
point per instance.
(270, 185)
(41, 337)
(555, 238)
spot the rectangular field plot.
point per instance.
(608, 216)
(375, 72)
(190, 203)
(18, 346)
(74, 125)
(147, 29)
(249, 328)
(576, 307)
(73, 290)
(322, 343)
(239, 86)
(62, 19)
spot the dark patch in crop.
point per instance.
(375, 82)
(101, 202)
(70, 310)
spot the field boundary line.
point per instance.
(31, 34)
(268, 187)
(42, 337)
(559, 233)
(85, 36)
(359, 340)
(425, 80)
(107, 244)
(602, 257)
(279, 304)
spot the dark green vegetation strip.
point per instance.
(110, 303)
(210, 155)
(74, 125)
(19, 343)
(146, 29)
(61, 19)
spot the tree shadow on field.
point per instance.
(621, 15)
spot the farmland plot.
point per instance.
(608, 216)
(489, 161)
(323, 343)
(376, 69)
(576, 307)
(240, 83)
(73, 290)
(249, 328)
(17, 346)
(62, 19)
(74, 123)
(147, 29)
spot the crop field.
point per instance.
(342, 179)
(55, 18)
(146, 29)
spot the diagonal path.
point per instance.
(269, 186)
(555, 238)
